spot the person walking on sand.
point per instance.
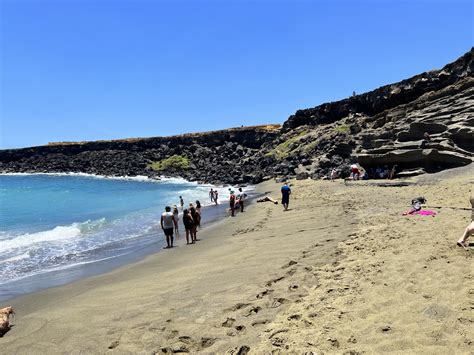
(285, 196)
(232, 203)
(216, 196)
(211, 195)
(462, 242)
(198, 206)
(176, 218)
(167, 224)
(181, 202)
(242, 197)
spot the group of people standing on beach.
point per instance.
(192, 215)
(191, 221)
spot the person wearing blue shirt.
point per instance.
(285, 196)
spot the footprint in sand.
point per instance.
(242, 350)
(263, 294)
(238, 306)
(260, 322)
(114, 344)
(290, 263)
(207, 342)
(229, 322)
(293, 287)
(274, 281)
(294, 317)
(252, 311)
(240, 328)
(277, 302)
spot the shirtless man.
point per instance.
(167, 224)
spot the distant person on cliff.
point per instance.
(181, 201)
(232, 203)
(188, 226)
(176, 218)
(333, 174)
(242, 197)
(216, 196)
(211, 195)
(426, 140)
(285, 196)
(462, 242)
(167, 224)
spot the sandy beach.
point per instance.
(340, 272)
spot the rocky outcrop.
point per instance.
(218, 156)
(386, 97)
(384, 127)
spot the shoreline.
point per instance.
(341, 271)
(76, 272)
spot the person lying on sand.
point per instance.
(267, 199)
(5, 314)
(462, 242)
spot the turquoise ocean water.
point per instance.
(52, 223)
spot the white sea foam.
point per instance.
(16, 258)
(53, 235)
(93, 176)
(57, 234)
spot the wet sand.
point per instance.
(341, 271)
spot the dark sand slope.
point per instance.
(342, 271)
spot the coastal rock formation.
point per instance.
(218, 156)
(383, 127)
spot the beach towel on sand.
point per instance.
(421, 213)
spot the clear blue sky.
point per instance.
(103, 69)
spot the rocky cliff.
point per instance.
(384, 127)
(217, 156)
(377, 128)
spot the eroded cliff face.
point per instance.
(385, 127)
(378, 128)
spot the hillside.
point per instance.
(381, 127)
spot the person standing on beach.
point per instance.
(242, 197)
(188, 226)
(176, 218)
(232, 203)
(196, 219)
(285, 196)
(198, 210)
(181, 202)
(216, 196)
(211, 195)
(167, 224)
